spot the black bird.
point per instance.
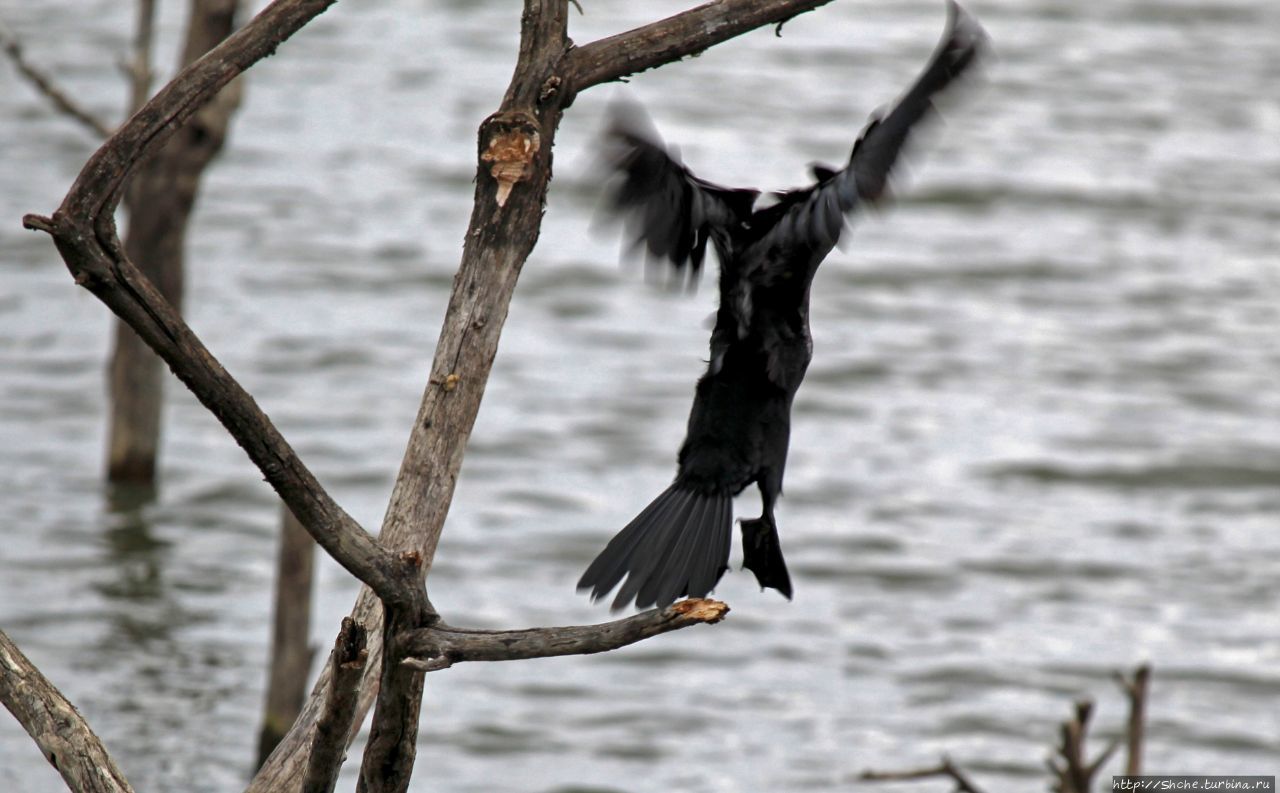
(760, 347)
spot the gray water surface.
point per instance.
(1039, 441)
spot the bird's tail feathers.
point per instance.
(677, 546)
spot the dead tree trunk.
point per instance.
(159, 200)
(290, 636)
(514, 170)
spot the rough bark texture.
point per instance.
(513, 171)
(160, 199)
(56, 726)
(346, 666)
(676, 37)
(443, 645)
(498, 240)
(291, 632)
(393, 736)
(47, 88)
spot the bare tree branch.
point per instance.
(499, 238)
(56, 726)
(139, 66)
(441, 645)
(1135, 689)
(392, 746)
(1074, 773)
(346, 666)
(160, 197)
(84, 230)
(676, 37)
(47, 88)
(944, 769)
(290, 636)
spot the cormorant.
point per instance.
(760, 347)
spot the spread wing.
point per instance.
(667, 209)
(811, 220)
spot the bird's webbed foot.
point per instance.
(762, 555)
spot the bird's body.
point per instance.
(740, 423)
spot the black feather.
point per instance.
(739, 425)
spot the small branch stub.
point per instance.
(510, 149)
(701, 610)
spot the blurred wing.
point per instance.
(882, 141)
(667, 209)
(813, 219)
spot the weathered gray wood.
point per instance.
(513, 171)
(346, 665)
(499, 239)
(441, 645)
(392, 747)
(674, 38)
(56, 726)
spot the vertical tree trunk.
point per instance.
(160, 199)
(290, 650)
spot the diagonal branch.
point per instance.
(83, 228)
(441, 646)
(946, 768)
(47, 88)
(56, 726)
(676, 37)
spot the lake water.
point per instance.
(1039, 441)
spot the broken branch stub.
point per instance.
(510, 144)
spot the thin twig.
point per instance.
(47, 88)
(346, 666)
(441, 645)
(945, 768)
(56, 726)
